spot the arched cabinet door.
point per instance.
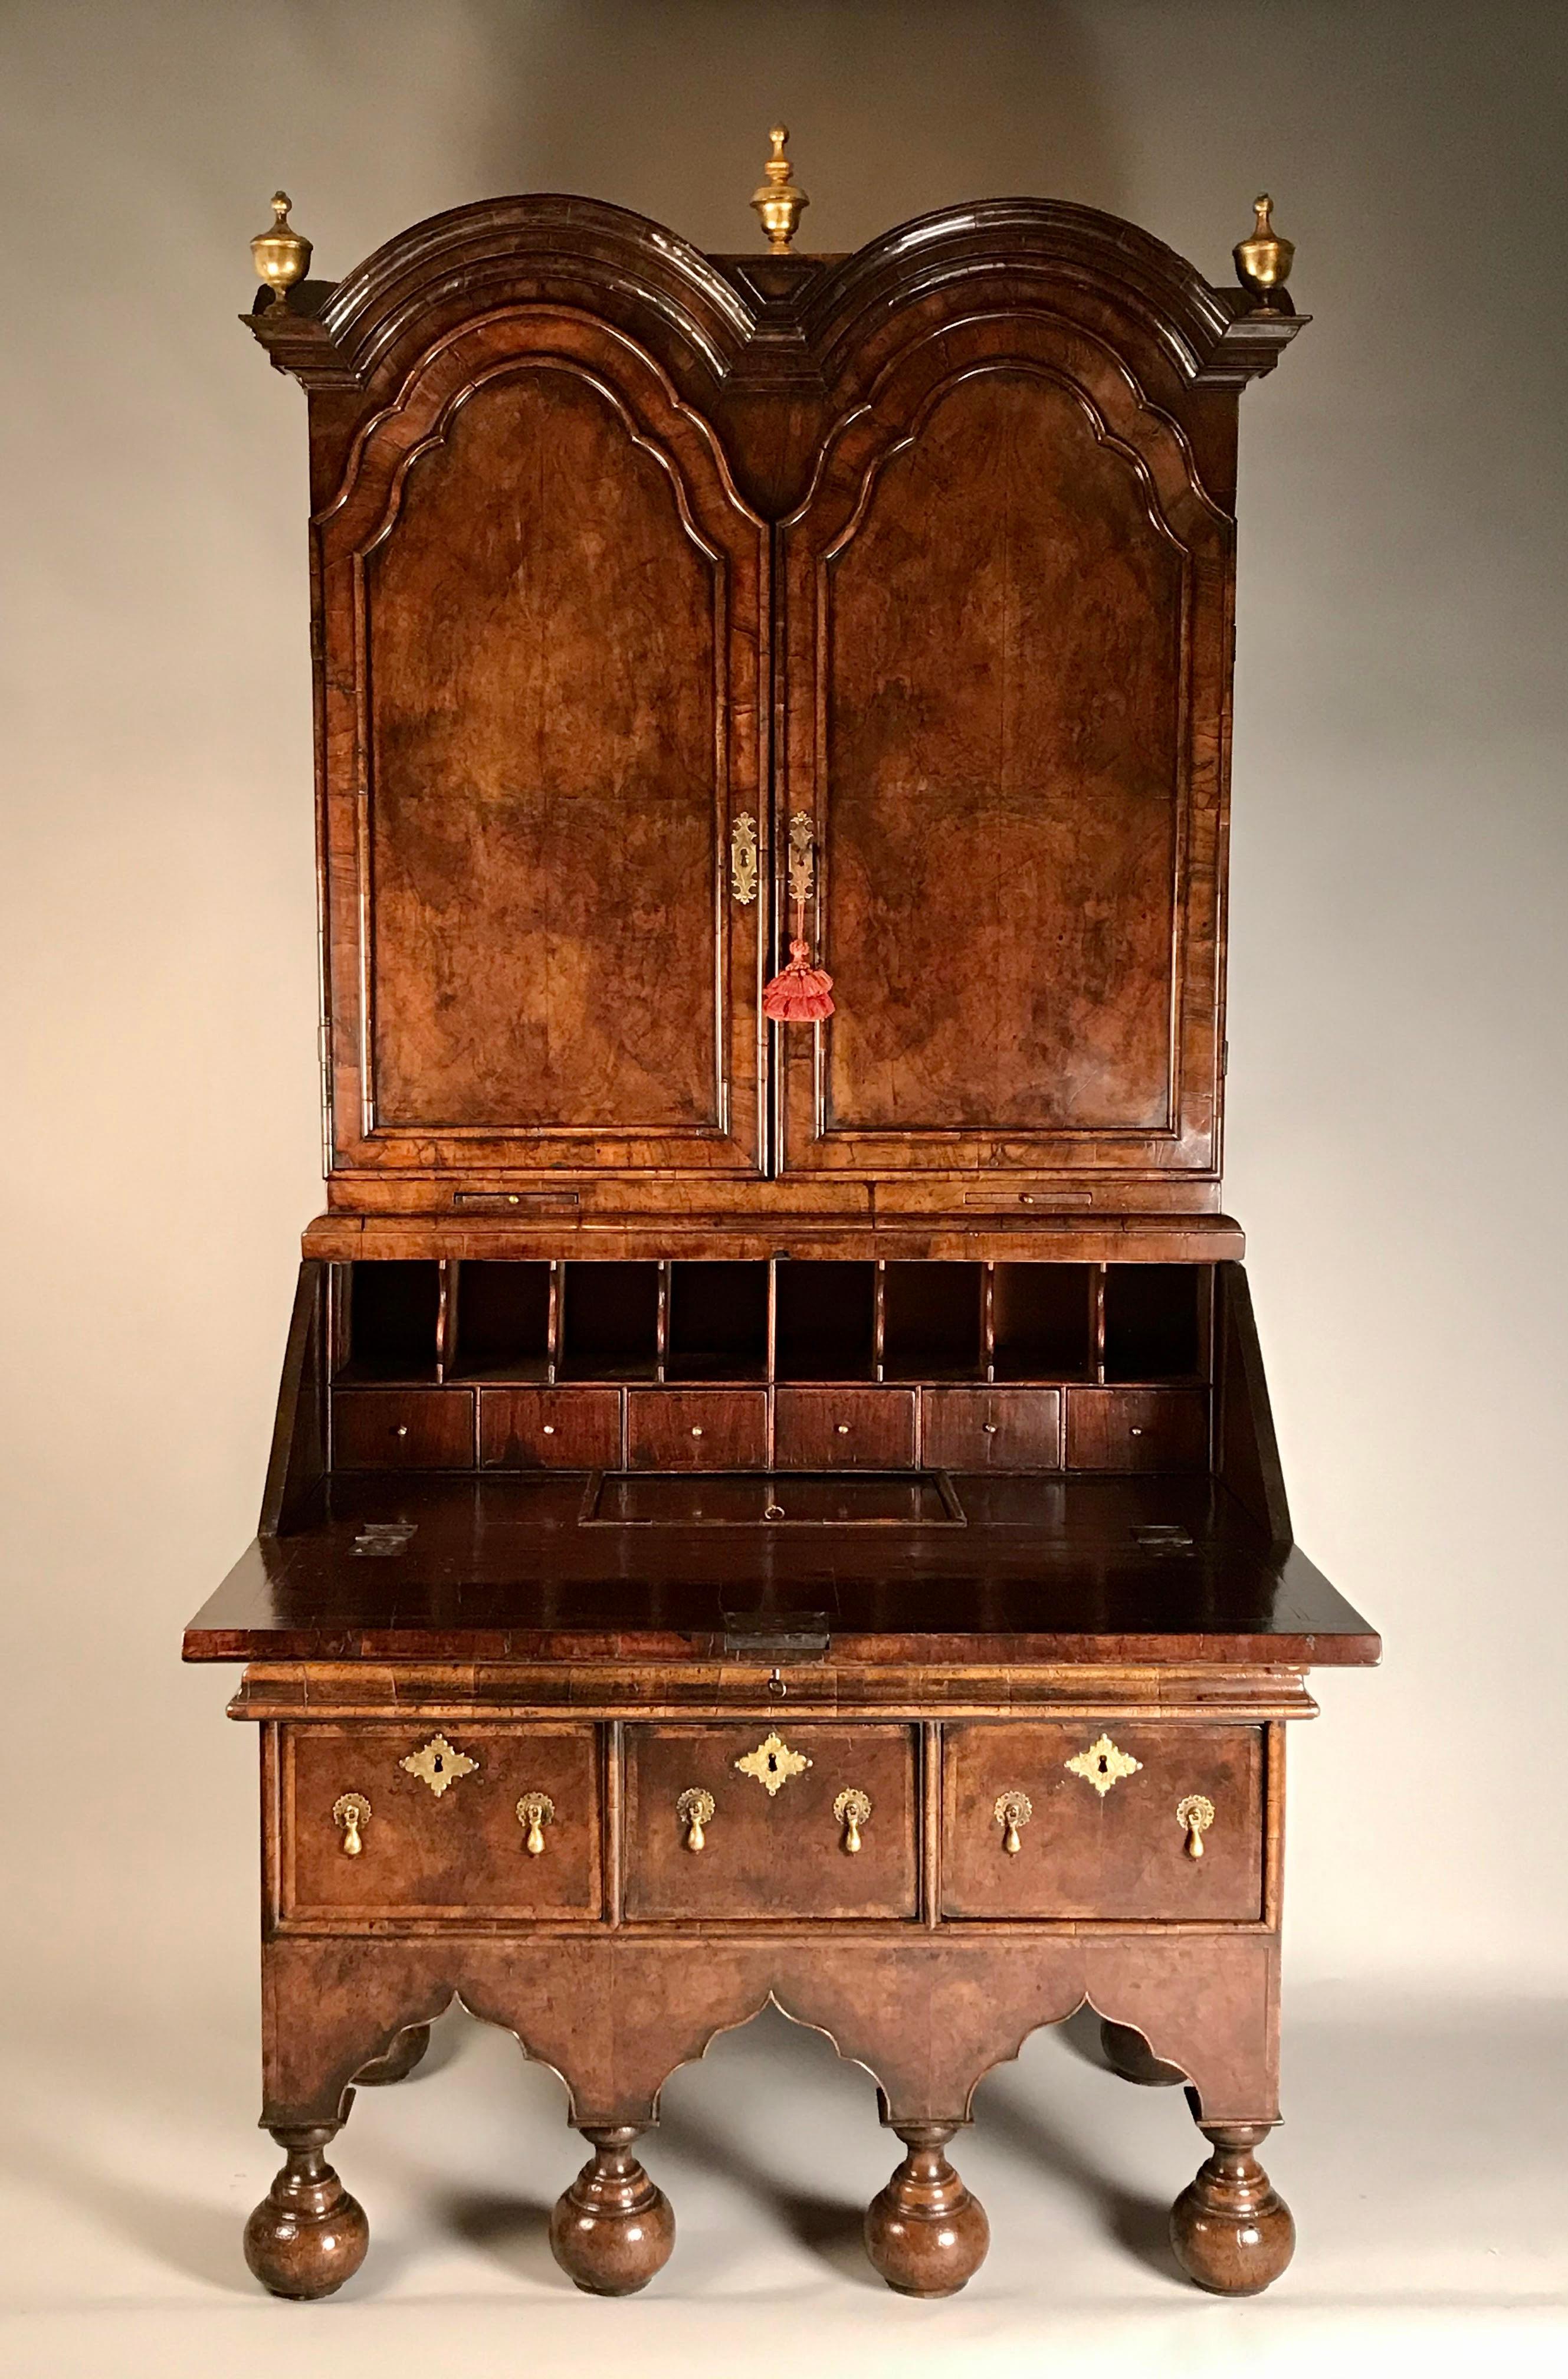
(1007, 627)
(543, 621)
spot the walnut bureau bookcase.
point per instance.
(773, 1458)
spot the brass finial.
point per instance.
(1263, 262)
(779, 200)
(281, 253)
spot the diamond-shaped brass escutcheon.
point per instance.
(773, 1763)
(1104, 1765)
(439, 1765)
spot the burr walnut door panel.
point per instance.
(1107, 1832)
(771, 1844)
(1007, 655)
(545, 619)
(449, 1852)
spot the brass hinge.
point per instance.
(324, 1056)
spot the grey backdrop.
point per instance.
(1396, 1094)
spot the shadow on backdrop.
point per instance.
(895, 107)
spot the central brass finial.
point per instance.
(779, 200)
(281, 253)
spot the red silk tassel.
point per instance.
(801, 993)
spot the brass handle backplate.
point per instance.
(694, 1809)
(352, 1812)
(852, 1809)
(1197, 1814)
(802, 859)
(1012, 1810)
(743, 859)
(535, 1812)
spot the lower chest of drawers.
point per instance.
(1119, 1819)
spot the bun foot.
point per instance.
(612, 2230)
(400, 2060)
(1128, 2053)
(1230, 2230)
(924, 2233)
(308, 2235)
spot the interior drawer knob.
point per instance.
(401, 1429)
(694, 1809)
(988, 1428)
(1197, 1814)
(843, 1428)
(697, 1431)
(1012, 1810)
(352, 1812)
(535, 1812)
(550, 1429)
(852, 1808)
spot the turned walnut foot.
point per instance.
(1230, 2230)
(400, 2060)
(612, 2230)
(924, 2233)
(1128, 2053)
(308, 2235)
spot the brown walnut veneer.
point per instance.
(662, 1381)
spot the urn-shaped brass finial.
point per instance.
(1263, 261)
(779, 200)
(281, 253)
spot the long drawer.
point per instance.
(753, 1821)
(1119, 1821)
(386, 1821)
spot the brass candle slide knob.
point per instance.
(281, 253)
(694, 1809)
(535, 1812)
(1012, 1810)
(352, 1812)
(852, 1809)
(779, 199)
(1263, 261)
(1197, 1814)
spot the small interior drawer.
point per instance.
(696, 1429)
(402, 1429)
(830, 1429)
(990, 1429)
(772, 1844)
(444, 1838)
(1136, 1429)
(1106, 1832)
(550, 1429)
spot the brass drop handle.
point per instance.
(1012, 1810)
(852, 1809)
(352, 1812)
(694, 1809)
(1197, 1814)
(535, 1811)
